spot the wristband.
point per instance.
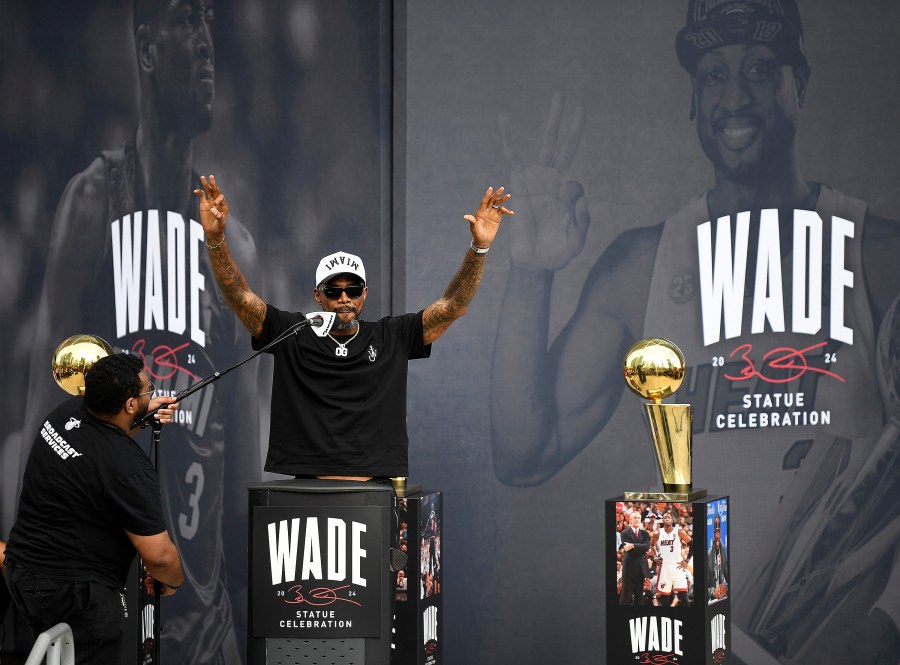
(208, 246)
(477, 250)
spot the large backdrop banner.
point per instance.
(739, 200)
(111, 113)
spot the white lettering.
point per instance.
(742, 420)
(638, 628)
(429, 624)
(184, 281)
(723, 275)
(126, 258)
(153, 292)
(283, 545)
(655, 634)
(721, 281)
(769, 400)
(56, 442)
(184, 417)
(147, 622)
(176, 281)
(358, 553)
(841, 279)
(339, 623)
(807, 265)
(283, 551)
(768, 292)
(315, 614)
(337, 545)
(312, 554)
(198, 283)
(717, 632)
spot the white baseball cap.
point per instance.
(340, 263)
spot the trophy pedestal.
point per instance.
(683, 609)
(418, 598)
(142, 622)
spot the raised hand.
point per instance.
(485, 223)
(213, 208)
(555, 218)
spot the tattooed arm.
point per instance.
(248, 306)
(484, 225)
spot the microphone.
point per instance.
(320, 322)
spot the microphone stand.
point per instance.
(148, 588)
(315, 321)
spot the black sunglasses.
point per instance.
(334, 292)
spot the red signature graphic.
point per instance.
(430, 648)
(782, 358)
(719, 656)
(657, 659)
(164, 357)
(318, 597)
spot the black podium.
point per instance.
(319, 573)
(679, 609)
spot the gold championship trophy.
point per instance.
(654, 369)
(74, 357)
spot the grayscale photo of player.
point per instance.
(140, 281)
(771, 283)
(145, 93)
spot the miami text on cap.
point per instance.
(340, 263)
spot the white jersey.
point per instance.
(671, 577)
(669, 545)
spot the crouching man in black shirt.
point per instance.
(90, 498)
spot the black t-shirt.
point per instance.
(85, 484)
(341, 415)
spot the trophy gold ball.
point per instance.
(74, 357)
(654, 368)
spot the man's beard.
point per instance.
(342, 325)
(774, 151)
(143, 412)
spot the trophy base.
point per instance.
(408, 490)
(666, 495)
